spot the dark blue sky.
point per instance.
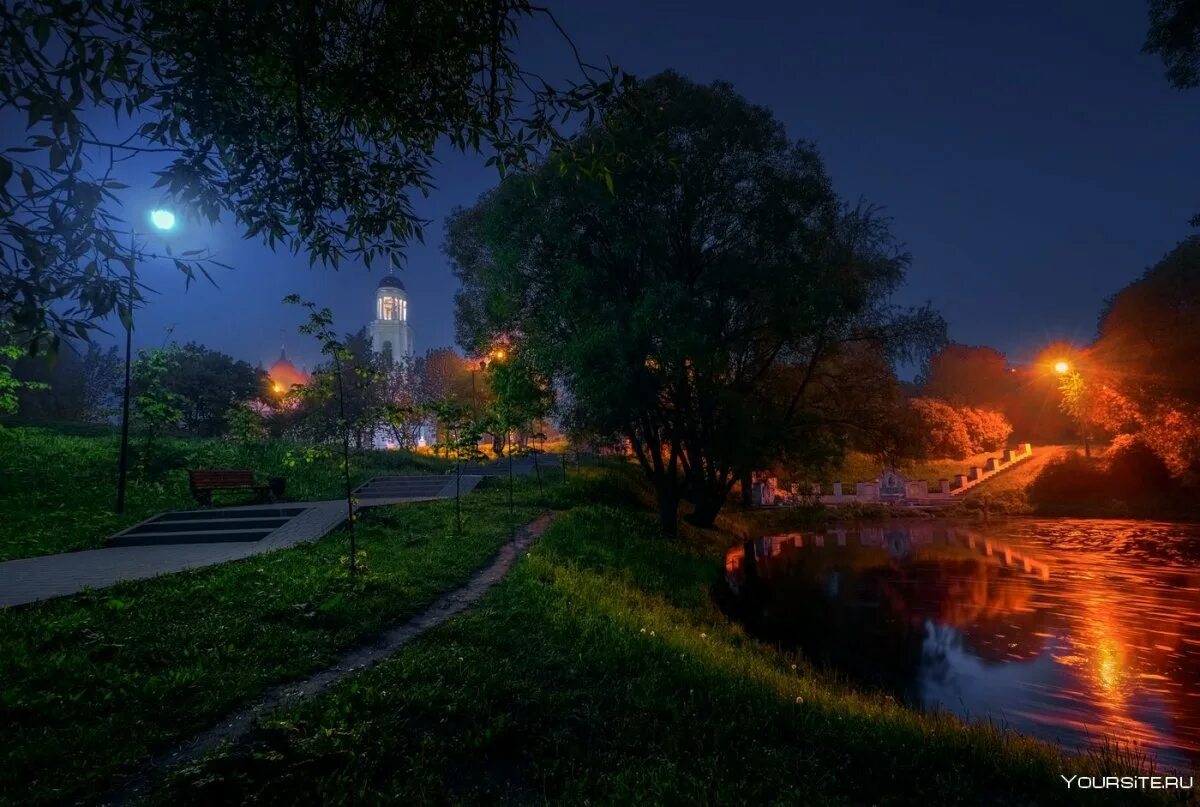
(1031, 157)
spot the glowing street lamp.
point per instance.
(1062, 367)
(164, 221)
(495, 354)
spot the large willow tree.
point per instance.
(708, 305)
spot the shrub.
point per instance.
(1070, 482)
(988, 430)
(942, 430)
(245, 424)
(1132, 478)
(1135, 472)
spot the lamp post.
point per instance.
(498, 355)
(163, 220)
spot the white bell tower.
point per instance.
(390, 331)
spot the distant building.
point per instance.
(391, 334)
(284, 375)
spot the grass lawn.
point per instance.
(91, 685)
(57, 491)
(600, 671)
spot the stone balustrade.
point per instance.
(915, 492)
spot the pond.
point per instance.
(1064, 629)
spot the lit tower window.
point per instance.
(392, 308)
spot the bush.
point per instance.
(1131, 479)
(1135, 472)
(1068, 483)
(941, 429)
(957, 431)
(988, 430)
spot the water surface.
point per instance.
(1065, 629)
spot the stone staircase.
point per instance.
(223, 525)
(387, 489)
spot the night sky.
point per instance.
(1031, 157)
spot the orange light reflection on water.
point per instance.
(1107, 628)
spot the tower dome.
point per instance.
(391, 282)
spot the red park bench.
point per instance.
(205, 483)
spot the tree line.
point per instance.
(193, 390)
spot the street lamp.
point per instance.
(497, 355)
(163, 221)
(1062, 367)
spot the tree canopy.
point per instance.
(695, 304)
(80, 386)
(1174, 35)
(1142, 375)
(1150, 329)
(968, 376)
(208, 383)
(311, 124)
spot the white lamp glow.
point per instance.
(162, 219)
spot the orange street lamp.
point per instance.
(1062, 367)
(278, 388)
(498, 354)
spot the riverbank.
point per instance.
(601, 671)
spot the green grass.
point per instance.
(600, 671)
(57, 490)
(89, 686)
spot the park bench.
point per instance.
(205, 483)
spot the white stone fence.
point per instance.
(890, 487)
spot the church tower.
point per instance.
(390, 332)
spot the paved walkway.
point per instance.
(48, 576)
(234, 727)
(521, 466)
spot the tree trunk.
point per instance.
(747, 482)
(709, 499)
